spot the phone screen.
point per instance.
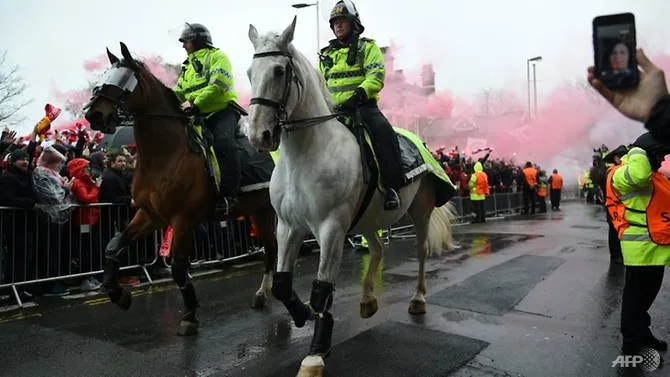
(615, 51)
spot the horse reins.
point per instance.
(281, 115)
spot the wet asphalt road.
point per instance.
(522, 297)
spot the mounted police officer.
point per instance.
(354, 71)
(206, 89)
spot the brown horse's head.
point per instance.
(120, 90)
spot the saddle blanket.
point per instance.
(256, 167)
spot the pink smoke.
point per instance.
(96, 64)
(570, 122)
(74, 100)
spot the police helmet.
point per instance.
(619, 151)
(196, 32)
(346, 9)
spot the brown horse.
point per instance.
(171, 184)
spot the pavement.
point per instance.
(525, 296)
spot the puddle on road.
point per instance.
(482, 245)
(470, 246)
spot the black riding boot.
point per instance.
(230, 184)
(224, 127)
(385, 143)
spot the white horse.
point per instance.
(318, 187)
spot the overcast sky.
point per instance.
(473, 44)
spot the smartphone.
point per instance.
(614, 47)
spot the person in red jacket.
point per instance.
(85, 191)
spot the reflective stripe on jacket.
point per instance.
(206, 80)
(342, 79)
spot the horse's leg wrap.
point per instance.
(323, 335)
(282, 289)
(115, 249)
(180, 276)
(322, 296)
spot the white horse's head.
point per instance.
(276, 86)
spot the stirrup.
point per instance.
(391, 200)
(226, 205)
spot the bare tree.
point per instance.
(11, 90)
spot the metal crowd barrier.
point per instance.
(36, 249)
(67, 243)
(495, 205)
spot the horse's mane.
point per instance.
(320, 80)
(168, 93)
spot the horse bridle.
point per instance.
(126, 80)
(281, 115)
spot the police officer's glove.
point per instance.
(192, 111)
(354, 102)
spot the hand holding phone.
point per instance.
(635, 103)
(614, 46)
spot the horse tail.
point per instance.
(440, 231)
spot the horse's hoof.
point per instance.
(368, 309)
(258, 301)
(125, 299)
(417, 307)
(310, 372)
(311, 366)
(187, 328)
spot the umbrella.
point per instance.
(123, 136)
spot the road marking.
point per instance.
(145, 289)
(20, 316)
(80, 295)
(28, 304)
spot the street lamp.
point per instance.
(318, 39)
(535, 59)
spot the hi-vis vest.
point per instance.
(556, 182)
(342, 79)
(482, 183)
(530, 174)
(542, 190)
(657, 211)
(588, 183)
(206, 80)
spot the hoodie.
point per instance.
(85, 192)
(479, 183)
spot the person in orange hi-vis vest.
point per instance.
(529, 183)
(479, 188)
(613, 158)
(555, 187)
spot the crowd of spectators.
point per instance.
(504, 174)
(63, 197)
(49, 185)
